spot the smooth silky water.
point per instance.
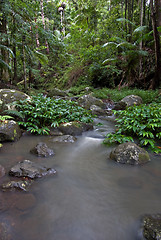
(90, 198)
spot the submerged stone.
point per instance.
(151, 226)
(30, 169)
(22, 185)
(64, 138)
(42, 150)
(129, 153)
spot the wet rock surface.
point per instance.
(87, 101)
(75, 128)
(8, 96)
(9, 131)
(22, 185)
(129, 153)
(42, 150)
(30, 169)
(96, 110)
(64, 138)
(151, 225)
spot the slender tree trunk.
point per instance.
(126, 16)
(4, 72)
(24, 62)
(157, 78)
(43, 21)
(14, 52)
(37, 35)
(141, 42)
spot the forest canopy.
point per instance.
(49, 43)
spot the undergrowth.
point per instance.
(143, 122)
(43, 112)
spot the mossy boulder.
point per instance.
(87, 101)
(57, 92)
(128, 101)
(75, 128)
(8, 96)
(9, 131)
(129, 153)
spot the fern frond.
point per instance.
(15, 113)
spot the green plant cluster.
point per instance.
(143, 122)
(43, 112)
(116, 95)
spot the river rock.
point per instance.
(152, 227)
(30, 169)
(75, 128)
(120, 106)
(87, 101)
(128, 101)
(42, 150)
(64, 138)
(22, 185)
(9, 131)
(96, 110)
(56, 92)
(8, 96)
(129, 153)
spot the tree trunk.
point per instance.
(14, 52)
(24, 62)
(157, 79)
(4, 72)
(43, 21)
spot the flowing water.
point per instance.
(90, 197)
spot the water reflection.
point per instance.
(91, 197)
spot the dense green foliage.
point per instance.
(143, 122)
(116, 95)
(43, 112)
(99, 43)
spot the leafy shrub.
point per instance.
(42, 112)
(143, 122)
(116, 95)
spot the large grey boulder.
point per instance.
(42, 150)
(151, 226)
(128, 101)
(129, 153)
(30, 169)
(75, 128)
(8, 96)
(9, 131)
(57, 92)
(87, 101)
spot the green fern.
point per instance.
(15, 114)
